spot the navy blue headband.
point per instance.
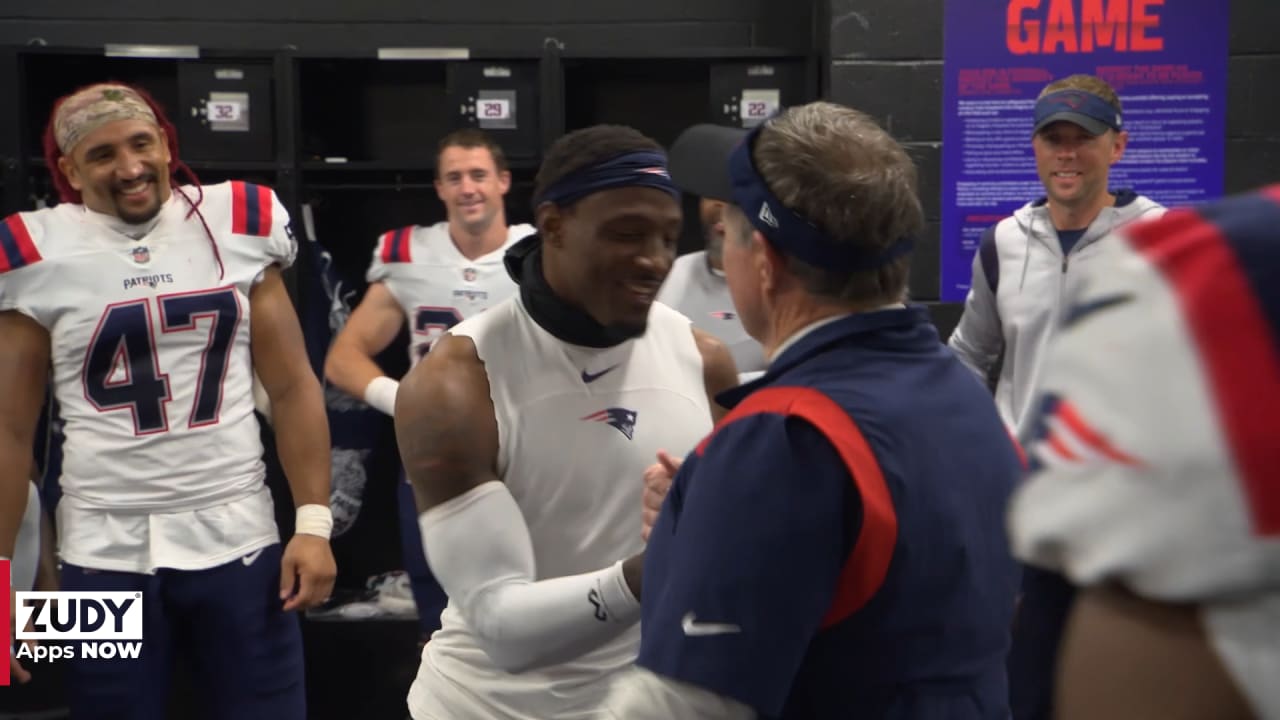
(1079, 107)
(643, 168)
(790, 233)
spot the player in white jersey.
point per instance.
(527, 429)
(430, 279)
(155, 304)
(1154, 484)
(697, 286)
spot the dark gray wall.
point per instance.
(886, 59)
(326, 25)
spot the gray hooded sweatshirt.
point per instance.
(1020, 276)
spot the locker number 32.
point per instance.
(224, 111)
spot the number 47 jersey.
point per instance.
(150, 342)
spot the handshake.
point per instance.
(657, 481)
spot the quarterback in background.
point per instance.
(430, 278)
(154, 304)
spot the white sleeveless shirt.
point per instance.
(577, 427)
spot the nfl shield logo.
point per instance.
(469, 274)
(141, 255)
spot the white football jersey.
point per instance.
(150, 349)
(576, 427)
(702, 294)
(1154, 455)
(436, 285)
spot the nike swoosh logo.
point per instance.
(693, 628)
(1083, 310)
(592, 377)
(248, 559)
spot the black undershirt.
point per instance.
(566, 322)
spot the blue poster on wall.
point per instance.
(1167, 59)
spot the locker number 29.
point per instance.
(495, 109)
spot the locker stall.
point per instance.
(662, 94)
(347, 138)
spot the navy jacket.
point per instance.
(836, 548)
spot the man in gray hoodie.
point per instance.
(1025, 266)
(1025, 263)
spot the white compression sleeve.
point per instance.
(479, 549)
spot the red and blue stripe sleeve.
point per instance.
(251, 209)
(17, 249)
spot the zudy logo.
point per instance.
(98, 621)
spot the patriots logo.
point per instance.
(469, 274)
(141, 255)
(655, 171)
(723, 314)
(1071, 100)
(622, 419)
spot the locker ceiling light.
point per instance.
(177, 52)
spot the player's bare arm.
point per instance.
(475, 535)
(373, 326)
(24, 370)
(719, 372)
(297, 401)
(1126, 657)
(445, 424)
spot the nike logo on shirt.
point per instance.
(592, 377)
(693, 628)
(1079, 312)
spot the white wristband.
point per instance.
(381, 394)
(314, 520)
(620, 604)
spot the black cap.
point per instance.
(699, 160)
(711, 161)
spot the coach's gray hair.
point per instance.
(837, 167)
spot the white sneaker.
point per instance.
(393, 593)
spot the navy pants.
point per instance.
(1047, 598)
(227, 623)
(427, 593)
